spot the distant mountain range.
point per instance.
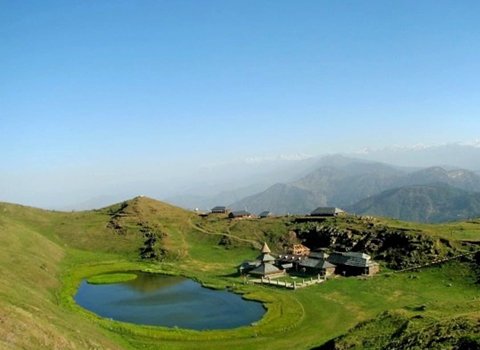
(426, 203)
(205, 184)
(395, 182)
(342, 182)
(465, 155)
(252, 175)
(339, 181)
(204, 202)
(299, 183)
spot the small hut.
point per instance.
(247, 265)
(353, 263)
(327, 211)
(264, 214)
(299, 249)
(317, 266)
(239, 214)
(220, 210)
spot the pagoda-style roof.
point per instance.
(265, 270)
(248, 264)
(265, 257)
(265, 248)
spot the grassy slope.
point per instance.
(43, 250)
(466, 230)
(30, 266)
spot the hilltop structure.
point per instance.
(265, 214)
(353, 263)
(263, 266)
(328, 211)
(299, 249)
(324, 264)
(220, 210)
(266, 267)
(301, 260)
(239, 214)
(317, 266)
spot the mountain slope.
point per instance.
(426, 203)
(459, 178)
(341, 182)
(347, 184)
(460, 155)
(40, 248)
(281, 199)
(204, 202)
(30, 269)
(395, 330)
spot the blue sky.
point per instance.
(107, 87)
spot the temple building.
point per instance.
(324, 264)
(263, 266)
(353, 263)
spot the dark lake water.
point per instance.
(168, 301)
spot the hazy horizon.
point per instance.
(122, 98)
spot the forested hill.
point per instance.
(343, 182)
(434, 203)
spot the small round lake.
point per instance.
(168, 301)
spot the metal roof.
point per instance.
(287, 266)
(248, 264)
(316, 263)
(239, 213)
(350, 260)
(318, 255)
(326, 211)
(265, 269)
(219, 208)
(358, 255)
(266, 257)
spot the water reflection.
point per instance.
(150, 282)
(168, 301)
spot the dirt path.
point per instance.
(255, 244)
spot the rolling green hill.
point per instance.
(44, 255)
(430, 203)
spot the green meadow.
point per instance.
(45, 255)
(111, 278)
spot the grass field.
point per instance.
(467, 230)
(111, 278)
(45, 255)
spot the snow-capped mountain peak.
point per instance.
(455, 154)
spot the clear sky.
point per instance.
(94, 91)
